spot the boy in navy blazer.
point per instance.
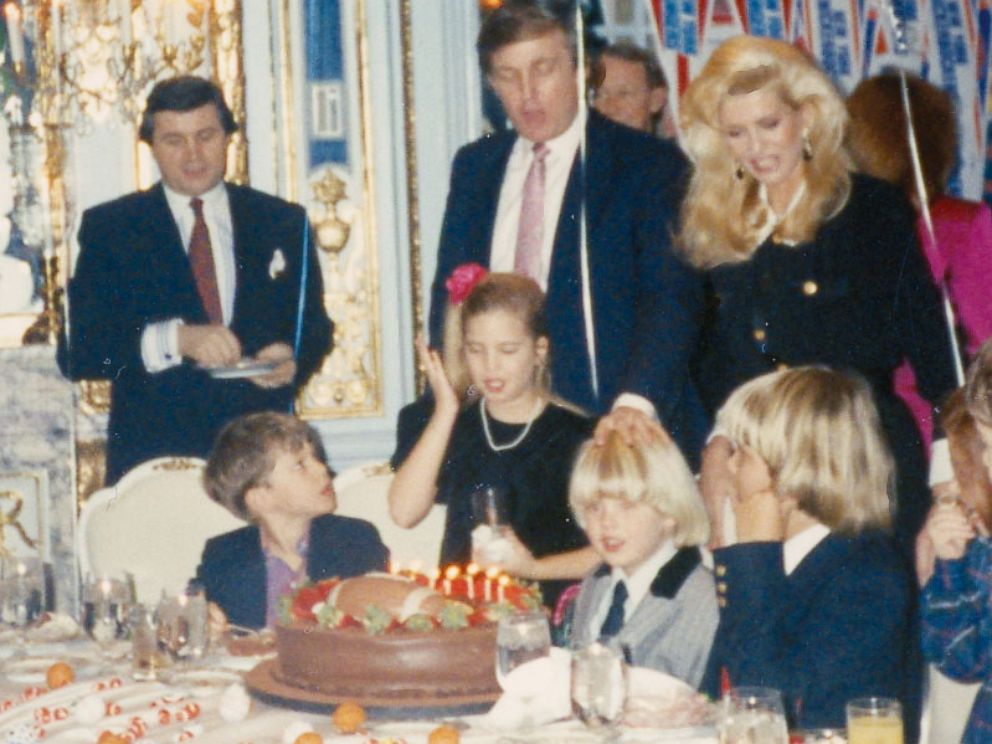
(271, 469)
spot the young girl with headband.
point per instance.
(495, 425)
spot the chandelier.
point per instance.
(71, 64)
(75, 62)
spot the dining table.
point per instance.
(207, 701)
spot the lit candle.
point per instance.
(472, 569)
(504, 580)
(435, 577)
(450, 574)
(15, 38)
(394, 567)
(487, 587)
(105, 587)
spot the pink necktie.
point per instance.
(530, 233)
(201, 260)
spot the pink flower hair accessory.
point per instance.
(463, 280)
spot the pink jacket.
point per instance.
(963, 257)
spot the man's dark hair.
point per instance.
(184, 93)
(630, 52)
(521, 20)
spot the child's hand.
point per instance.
(950, 531)
(716, 484)
(216, 620)
(759, 517)
(519, 562)
(445, 398)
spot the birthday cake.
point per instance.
(388, 640)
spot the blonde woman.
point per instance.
(806, 263)
(815, 598)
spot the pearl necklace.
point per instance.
(521, 437)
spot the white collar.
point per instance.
(212, 198)
(565, 144)
(801, 544)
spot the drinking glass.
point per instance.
(182, 626)
(146, 659)
(521, 637)
(752, 715)
(874, 720)
(490, 511)
(599, 688)
(106, 603)
(22, 591)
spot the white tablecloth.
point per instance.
(189, 712)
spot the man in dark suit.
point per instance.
(625, 344)
(176, 285)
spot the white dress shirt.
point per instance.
(801, 544)
(638, 583)
(557, 167)
(160, 341)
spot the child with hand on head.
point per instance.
(957, 597)
(651, 596)
(270, 469)
(814, 599)
(510, 435)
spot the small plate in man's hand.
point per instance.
(244, 368)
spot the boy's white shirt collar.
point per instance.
(800, 545)
(639, 582)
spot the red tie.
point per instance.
(530, 233)
(201, 259)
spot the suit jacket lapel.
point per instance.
(490, 183)
(821, 565)
(255, 590)
(243, 229)
(167, 256)
(591, 600)
(653, 611)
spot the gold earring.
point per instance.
(807, 148)
(739, 173)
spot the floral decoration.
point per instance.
(463, 280)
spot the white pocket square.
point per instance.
(278, 263)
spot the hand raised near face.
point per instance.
(759, 516)
(950, 530)
(445, 398)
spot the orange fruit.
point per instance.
(310, 737)
(109, 737)
(348, 718)
(444, 735)
(59, 674)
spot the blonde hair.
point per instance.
(818, 431)
(978, 387)
(653, 473)
(512, 293)
(722, 215)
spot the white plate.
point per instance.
(244, 368)
(32, 670)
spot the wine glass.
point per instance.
(182, 625)
(752, 715)
(521, 637)
(23, 595)
(599, 688)
(106, 603)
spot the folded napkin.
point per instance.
(534, 693)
